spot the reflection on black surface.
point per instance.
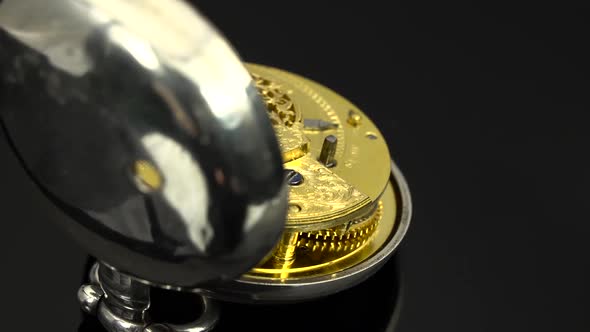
(374, 305)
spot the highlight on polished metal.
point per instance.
(349, 205)
(142, 124)
(139, 121)
(180, 166)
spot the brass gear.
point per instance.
(342, 241)
(342, 211)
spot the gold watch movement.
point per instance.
(348, 203)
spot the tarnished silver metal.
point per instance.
(141, 123)
(206, 322)
(328, 151)
(114, 323)
(93, 274)
(120, 303)
(247, 290)
(89, 297)
(125, 297)
(318, 125)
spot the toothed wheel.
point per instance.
(341, 241)
(349, 206)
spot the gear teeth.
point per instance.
(330, 240)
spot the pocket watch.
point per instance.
(180, 166)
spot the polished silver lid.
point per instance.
(139, 121)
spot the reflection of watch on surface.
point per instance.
(155, 139)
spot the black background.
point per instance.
(484, 110)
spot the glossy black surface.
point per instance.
(485, 107)
(87, 92)
(360, 309)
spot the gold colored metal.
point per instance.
(311, 263)
(339, 239)
(354, 119)
(286, 119)
(146, 176)
(326, 199)
(285, 251)
(344, 210)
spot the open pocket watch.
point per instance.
(181, 167)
